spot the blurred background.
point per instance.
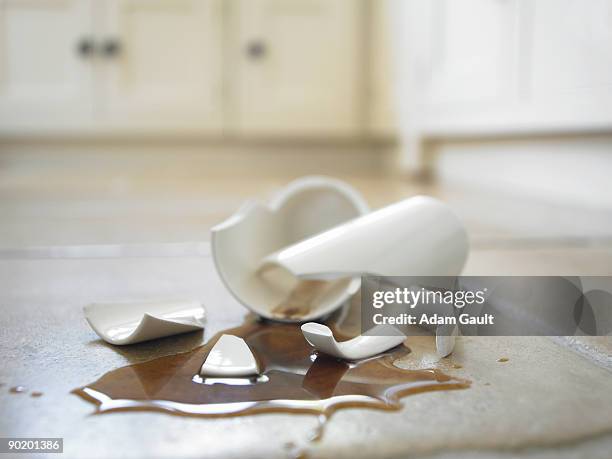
(148, 121)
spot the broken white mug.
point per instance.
(304, 208)
(419, 236)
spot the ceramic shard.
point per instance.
(129, 323)
(379, 339)
(445, 340)
(230, 357)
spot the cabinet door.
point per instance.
(473, 51)
(381, 110)
(298, 66)
(161, 64)
(571, 61)
(44, 81)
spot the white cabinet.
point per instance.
(572, 45)
(571, 60)
(509, 66)
(110, 66)
(472, 51)
(250, 67)
(297, 66)
(163, 64)
(381, 110)
(44, 81)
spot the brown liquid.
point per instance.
(36, 394)
(301, 300)
(295, 379)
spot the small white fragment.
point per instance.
(230, 357)
(445, 340)
(379, 339)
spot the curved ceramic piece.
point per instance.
(229, 357)
(129, 323)
(304, 208)
(380, 339)
(419, 236)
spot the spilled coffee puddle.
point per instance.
(294, 379)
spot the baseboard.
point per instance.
(188, 159)
(576, 171)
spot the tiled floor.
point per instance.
(66, 209)
(549, 401)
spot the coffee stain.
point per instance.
(503, 359)
(302, 299)
(36, 394)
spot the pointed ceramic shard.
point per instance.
(230, 357)
(379, 339)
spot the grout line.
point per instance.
(530, 243)
(588, 351)
(160, 250)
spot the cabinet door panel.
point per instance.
(381, 111)
(44, 82)
(167, 71)
(571, 45)
(571, 64)
(473, 50)
(298, 66)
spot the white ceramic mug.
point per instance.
(419, 236)
(319, 229)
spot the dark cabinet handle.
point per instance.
(111, 47)
(256, 49)
(85, 47)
